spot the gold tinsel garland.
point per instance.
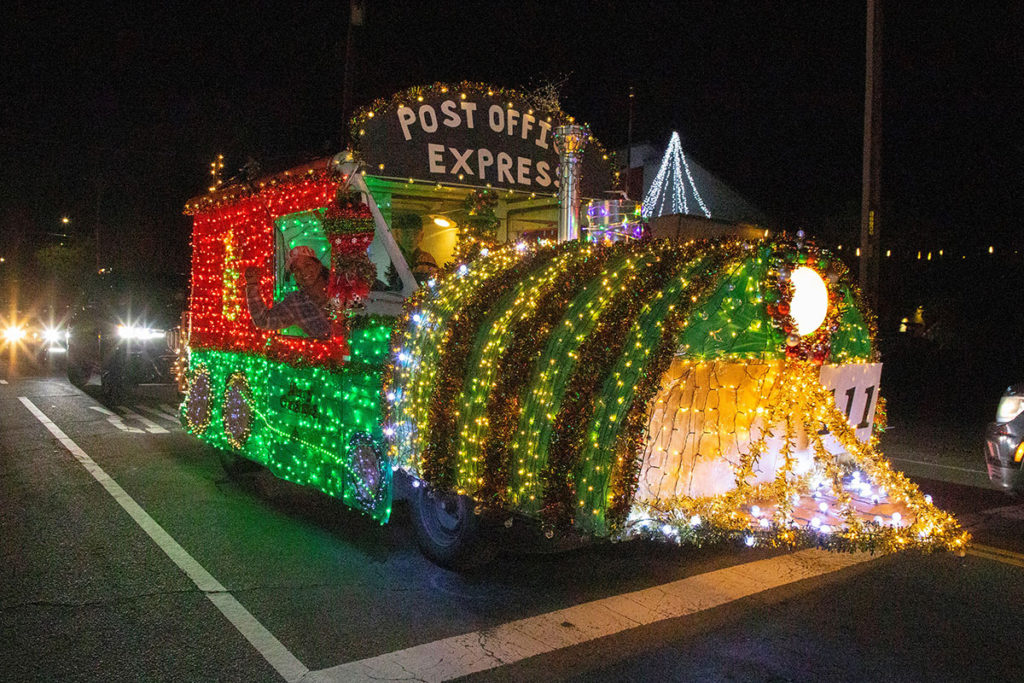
(801, 401)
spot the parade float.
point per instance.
(580, 381)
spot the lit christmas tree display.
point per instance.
(667, 194)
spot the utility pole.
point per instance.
(355, 18)
(629, 130)
(96, 224)
(870, 216)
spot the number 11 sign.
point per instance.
(855, 388)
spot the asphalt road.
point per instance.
(127, 554)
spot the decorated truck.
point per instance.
(579, 384)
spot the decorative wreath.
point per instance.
(778, 298)
(237, 413)
(367, 467)
(197, 402)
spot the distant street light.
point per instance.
(65, 220)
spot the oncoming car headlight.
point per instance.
(1009, 408)
(141, 333)
(52, 335)
(14, 333)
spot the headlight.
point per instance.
(134, 332)
(51, 335)
(14, 333)
(1009, 408)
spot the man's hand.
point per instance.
(253, 275)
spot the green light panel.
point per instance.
(305, 418)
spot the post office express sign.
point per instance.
(474, 139)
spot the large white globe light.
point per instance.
(810, 300)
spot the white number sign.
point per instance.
(855, 389)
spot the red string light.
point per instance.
(250, 220)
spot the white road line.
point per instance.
(115, 419)
(283, 661)
(932, 464)
(997, 554)
(156, 412)
(3, 381)
(459, 656)
(151, 427)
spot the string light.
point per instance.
(197, 409)
(236, 411)
(228, 237)
(665, 197)
(530, 376)
(307, 409)
(542, 103)
(307, 424)
(829, 504)
(216, 167)
(526, 387)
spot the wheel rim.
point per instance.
(444, 517)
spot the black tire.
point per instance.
(235, 465)
(448, 531)
(114, 378)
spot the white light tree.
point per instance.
(668, 191)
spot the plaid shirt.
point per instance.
(294, 309)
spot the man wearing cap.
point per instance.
(304, 307)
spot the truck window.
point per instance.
(303, 228)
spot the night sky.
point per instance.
(114, 113)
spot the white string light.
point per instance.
(673, 164)
(689, 176)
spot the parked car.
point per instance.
(1004, 442)
(122, 330)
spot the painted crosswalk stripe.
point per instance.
(158, 413)
(470, 653)
(276, 654)
(170, 410)
(115, 419)
(151, 427)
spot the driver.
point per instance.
(305, 307)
